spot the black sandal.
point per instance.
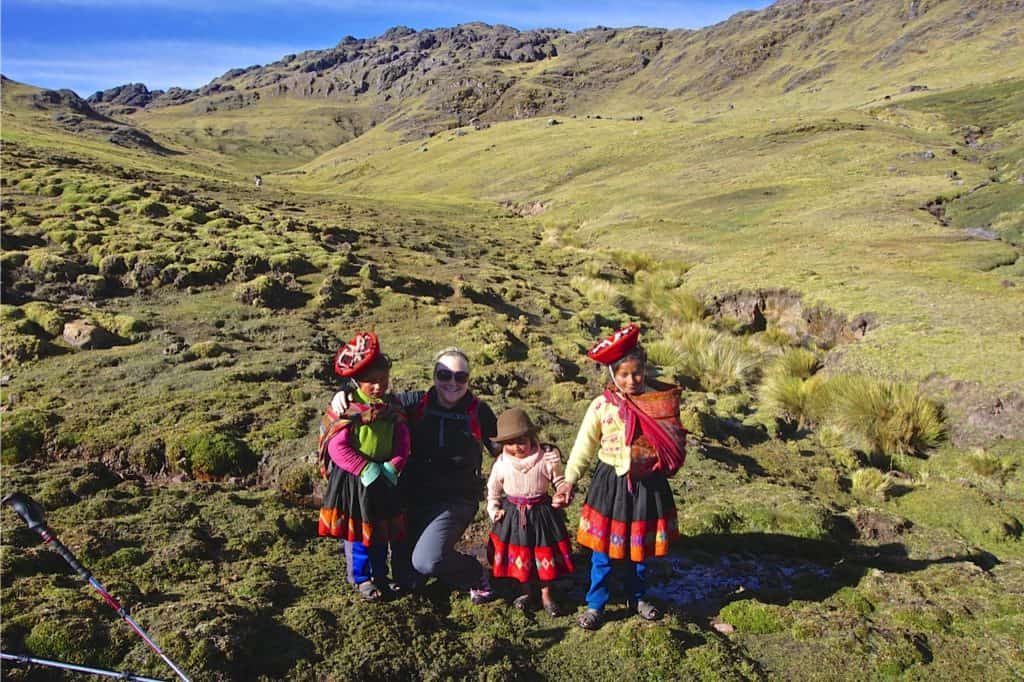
(591, 619)
(524, 603)
(553, 609)
(369, 591)
(646, 610)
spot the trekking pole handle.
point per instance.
(32, 513)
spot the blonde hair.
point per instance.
(451, 350)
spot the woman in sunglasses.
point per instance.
(441, 484)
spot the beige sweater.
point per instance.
(527, 477)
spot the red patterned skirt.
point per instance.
(357, 513)
(529, 542)
(633, 525)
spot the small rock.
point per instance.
(724, 628)
(87, 335)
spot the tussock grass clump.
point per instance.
(658, 295)
(884, 417)
(598, 292)
(789, 391)
(719, 362)
(633, 262)
(790, 398)
(795, 362)
(984, 463)
(664, 354)
(870, 482)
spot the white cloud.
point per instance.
(158, 64)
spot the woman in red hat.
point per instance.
(364, 445)
(629, 514)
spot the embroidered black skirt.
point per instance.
(625, 524)
(530, 543)
(357, 513)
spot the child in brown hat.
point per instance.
(528, 540)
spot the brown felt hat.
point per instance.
(512, 424)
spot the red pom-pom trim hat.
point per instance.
(615, 347)
(357, 354)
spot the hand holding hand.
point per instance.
(563, 495)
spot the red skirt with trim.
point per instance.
(633, 525)
(539, 549)
(357, 513)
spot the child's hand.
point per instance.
(499, 515)
(564, 495)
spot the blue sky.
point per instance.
(90, 45)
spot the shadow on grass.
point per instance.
(712, 570)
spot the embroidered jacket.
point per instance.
(602, 433)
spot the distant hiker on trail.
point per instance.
(364, 444)
(259, 180)
(442, 485)
(629, 512)
(528, 540)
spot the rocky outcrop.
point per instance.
(786, 311)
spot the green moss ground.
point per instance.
(228, 302)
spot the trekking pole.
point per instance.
(32, 514)
(77, 668)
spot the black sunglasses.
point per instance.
(445, 374)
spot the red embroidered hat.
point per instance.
(616, 346)
(357, 354)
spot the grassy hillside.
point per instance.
(829, 205)
(799, 56)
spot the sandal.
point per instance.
(646, 609)
(523, 602)
(591, 619)
(369, 591)
(553, 609)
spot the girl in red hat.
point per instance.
(528, 540)
(629, 514)
(364, 446)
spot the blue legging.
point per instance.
(365, 562)
(635, 580)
